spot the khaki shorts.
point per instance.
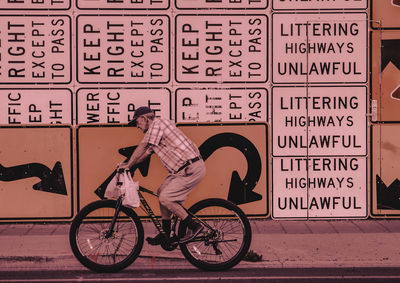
(176, 187)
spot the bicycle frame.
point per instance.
(151, 214)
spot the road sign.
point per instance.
(319, 5)
(385, 192)
(319, 48)
(221, 105)
(222, 4)
(385, 14)
(100, 148)
(236, 157)
(319, 187)
(221, 48)
(35, 106)
(237, 160)
(385, 75)
(112, 105)
(319, 121)
(123, 4)
(35, 4)
(123, 49)
(35, 172)
(35, 49)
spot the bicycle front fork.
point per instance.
(110, 230)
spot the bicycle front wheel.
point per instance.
(224, 242)
(100, 248)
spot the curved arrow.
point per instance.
(240, 191)
(52, 181)
(143, 166)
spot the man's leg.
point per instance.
(165, 219)
(175, 191)
(165, 213)
(177, 187)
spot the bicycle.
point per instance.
(106, 236)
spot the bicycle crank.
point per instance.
(169, 246)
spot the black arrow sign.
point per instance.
(127, 152)
(240, 191)
(52, 181)
(390, 53)
(143, 167)
(388, 197)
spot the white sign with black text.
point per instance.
(35, 106)
(318, 4)
(221, 48)
(319, 121)
(319, 48)
(123, 4)
(221, 4)
(35, 49)
(114, 106)
(319, 187)
(123, 49)
(221, 105)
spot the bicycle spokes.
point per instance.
(104, 238)
(225, 240)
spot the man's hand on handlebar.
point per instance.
(123, 166)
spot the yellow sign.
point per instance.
(236, 157)
(385, 14)
(385, 196)
(35, 172)
(100, 149)
(237, 161)
(386, 74)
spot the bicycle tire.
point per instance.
(232, 227)
(101, 253)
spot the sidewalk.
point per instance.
(344, 243)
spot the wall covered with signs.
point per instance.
(303, 67)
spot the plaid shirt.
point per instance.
(170, 144)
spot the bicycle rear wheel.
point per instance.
(225, 242)
(100, 249)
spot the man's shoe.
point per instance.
(174, 239)
(156, 240)
(191, 234)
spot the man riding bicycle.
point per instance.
(180, 156)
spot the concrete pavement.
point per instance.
(334, 243)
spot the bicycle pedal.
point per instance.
(169, 246)
(174, 240)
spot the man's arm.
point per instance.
(140, 154)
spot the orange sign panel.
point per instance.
(385, 195)
(385, 13)
(236, 157)
(35, 172)
(100, 149)
(386, 74)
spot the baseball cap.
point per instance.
(139, 112)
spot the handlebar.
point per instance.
(122, 170)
